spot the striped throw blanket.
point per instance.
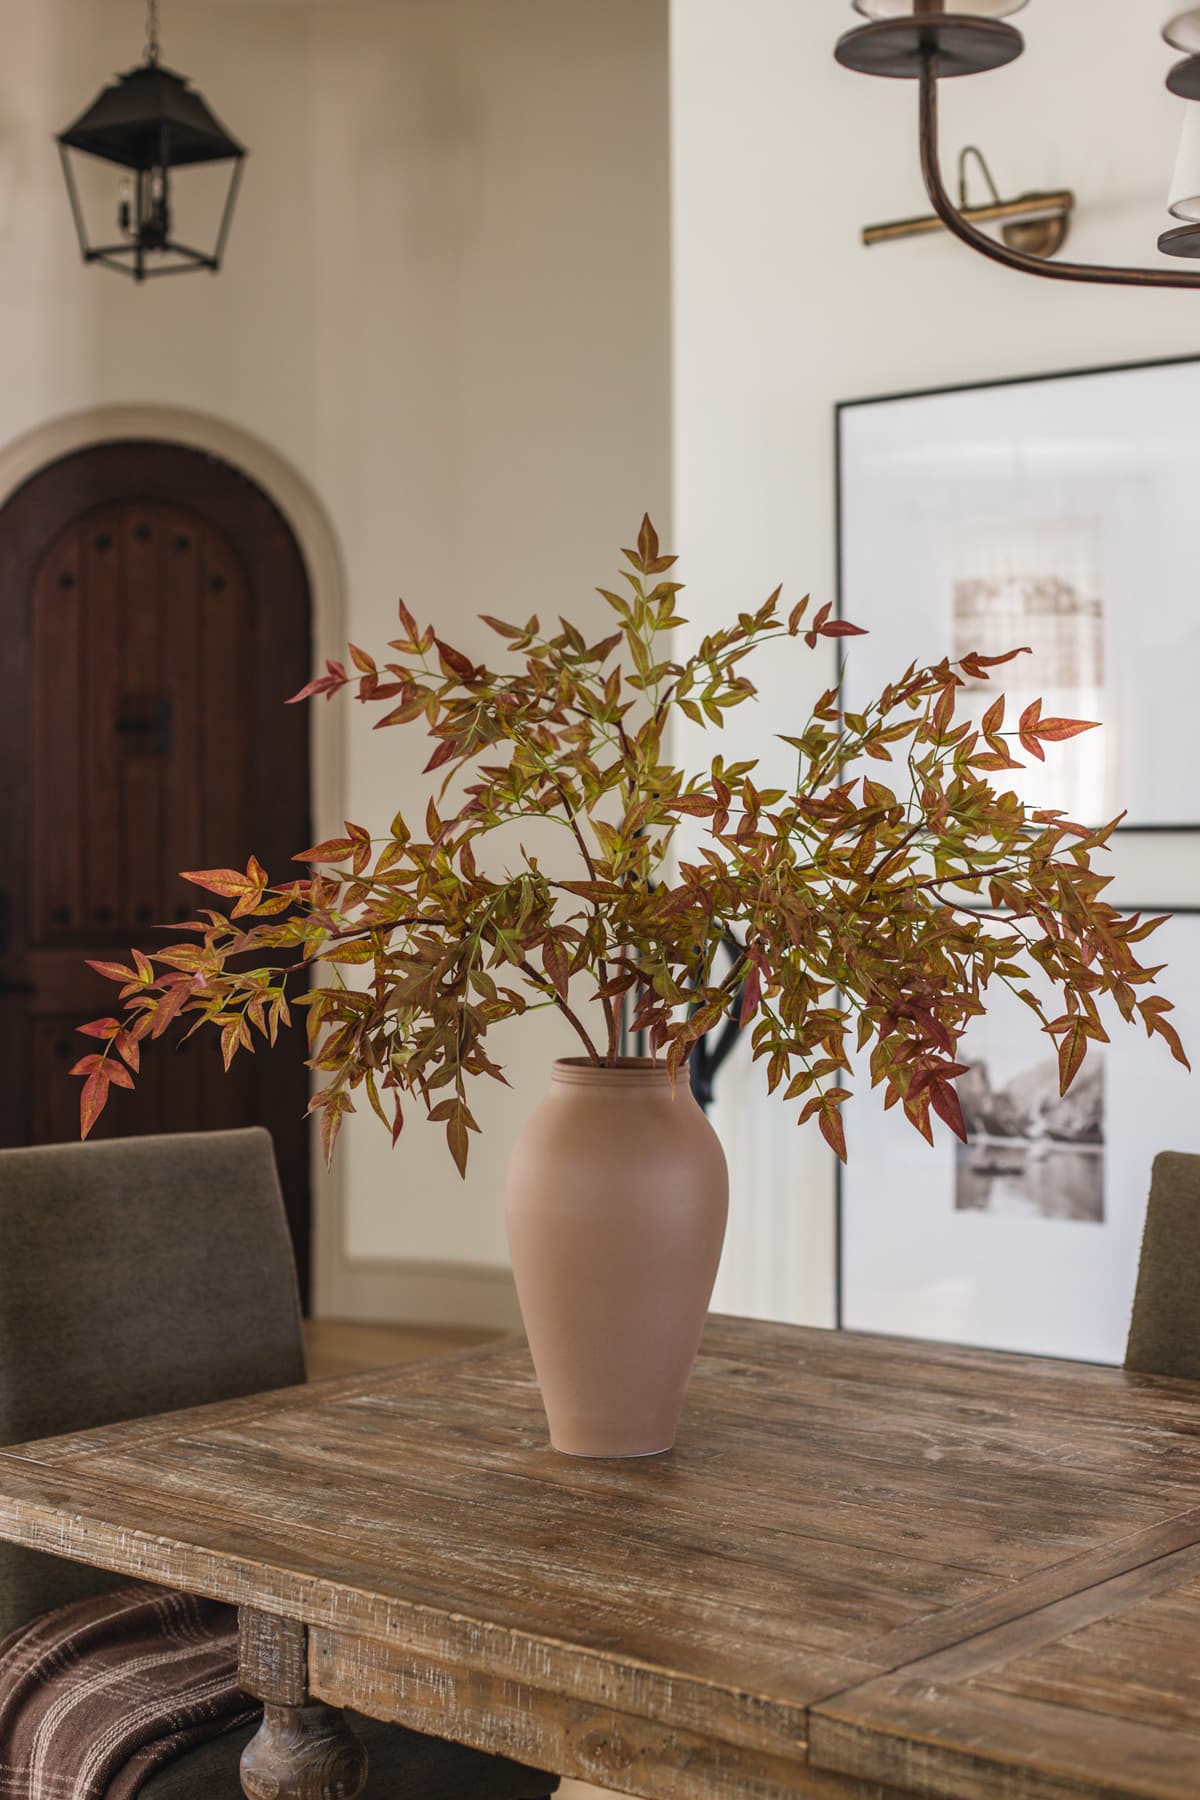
(98, 1695)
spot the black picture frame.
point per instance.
(844, 407)
(1130, 831)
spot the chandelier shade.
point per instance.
(963, 9)
(1183, 32)
(1184, 201)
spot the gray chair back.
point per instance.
(137, 1276)
(1164, 1335)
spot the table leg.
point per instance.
(303, 1753)
(302, 1750)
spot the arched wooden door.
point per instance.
(154, 611)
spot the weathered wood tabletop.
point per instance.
(870, 1568)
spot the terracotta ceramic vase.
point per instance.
(616, 1198)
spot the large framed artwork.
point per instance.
(1058, 512)
(1055, 512)
(1027, 1237)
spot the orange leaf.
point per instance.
(1071, 1051)
(1028, 728)
(1056, 731)
(556, 964)
(329, 850)
(456, 1137)
(100, 1028)
(91, 1101)
(832, 1129)
(112, 971)
(409, 626)
(229, 882)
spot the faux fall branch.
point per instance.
(872, 915)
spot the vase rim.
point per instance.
(626, 1072)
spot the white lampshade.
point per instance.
(1184, 202)
(904, 9)
(1183, 32)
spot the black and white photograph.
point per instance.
(1033, 1152)
(1025, 1238)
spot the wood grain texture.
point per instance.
(303, 1750)
(303, 1753)
(1096, 1693)
(839, 1512)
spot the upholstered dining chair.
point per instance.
(139, 1276)
(1164, 1333)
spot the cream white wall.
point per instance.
(445, 304)
(778, 158)
(492, 368)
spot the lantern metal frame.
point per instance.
(933, 44)
(151, 124)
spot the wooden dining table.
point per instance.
(870, 1568)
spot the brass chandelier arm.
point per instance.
(954, 221)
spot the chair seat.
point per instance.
(401, 1763)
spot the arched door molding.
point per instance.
(49, 442)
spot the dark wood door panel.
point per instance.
(157, 610)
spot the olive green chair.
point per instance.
(146, 1274)
(1164, 1333)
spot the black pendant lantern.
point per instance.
(150, 123)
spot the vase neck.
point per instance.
(633, 1075)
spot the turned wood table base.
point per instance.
(303, 1750)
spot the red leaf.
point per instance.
(993, 718)
(327, 684)
(229, 882)
(330, 850)
(447, 749)
(170, 1005)
(832, 1129)
(1056, 731)
(91, 1101)
(944, 1100)
(454, 662)
(974, 662)
(751, 995)
(556, 964)
(456, 1137)
(100, 1028)
(1071, 1051)
(840, 628)
(112, 971)
(699, 805)
(1028, 726)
